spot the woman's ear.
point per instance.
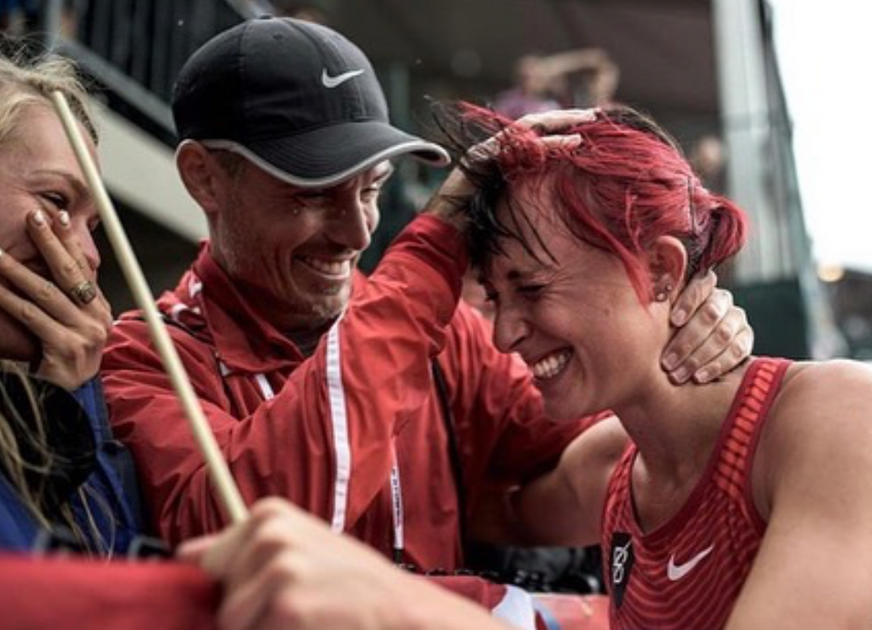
(203, 177)
(667, 264)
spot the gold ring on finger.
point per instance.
(84, 292)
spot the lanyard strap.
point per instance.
(397, 506)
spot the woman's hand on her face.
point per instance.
(713, 334)
(66, 310)
(448, 201)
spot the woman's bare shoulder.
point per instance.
(821, 405)
(822, 383)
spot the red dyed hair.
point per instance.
(626, 185)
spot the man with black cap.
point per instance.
(371, 402)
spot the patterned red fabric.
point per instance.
(688, 572)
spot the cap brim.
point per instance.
(330, 155)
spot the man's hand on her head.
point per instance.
(449, 201)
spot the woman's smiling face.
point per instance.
(570, 311)
(39, 171)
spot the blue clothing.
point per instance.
(112, 494)
(18, 528)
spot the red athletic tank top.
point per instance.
(686, 574)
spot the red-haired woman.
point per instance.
(745, 503)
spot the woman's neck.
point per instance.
(675, 427)
(676, 430)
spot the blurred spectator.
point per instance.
(707, 157)
(584, 77)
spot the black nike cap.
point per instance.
(296, 98)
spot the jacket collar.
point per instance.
(208, 303)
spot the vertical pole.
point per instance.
(745, 112)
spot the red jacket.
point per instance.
(325, 430)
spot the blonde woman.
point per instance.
(62, 478)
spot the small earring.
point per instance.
(663, 293)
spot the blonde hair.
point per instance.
(11, 459)
(27, 83)
(15, 466)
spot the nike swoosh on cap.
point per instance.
(677, 571)
(331, 82)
